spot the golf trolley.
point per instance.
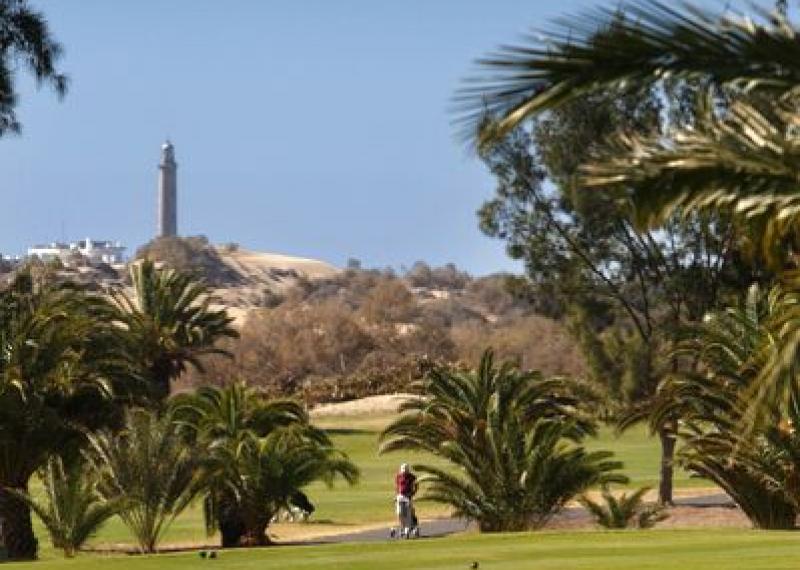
(409, 526)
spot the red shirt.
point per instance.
(404, 484)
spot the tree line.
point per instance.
(85, 380)
(646, 162)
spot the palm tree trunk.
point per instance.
(16, 528)
(256, 533)
(231, 530)
(666, 434)
(258, 536)
(161, 376)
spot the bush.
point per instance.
(362, 332)
(532, 342)
(513, 439)
(192, 255)
(447, 277)
(73, 510)
(624, 511)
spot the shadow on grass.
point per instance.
(349, 431)
(323, 522)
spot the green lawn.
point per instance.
(641, 455)
(370, 501)
(634, 550)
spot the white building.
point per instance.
(12, 259)
(94, 251)
(49, 252)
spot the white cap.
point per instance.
(404, 468)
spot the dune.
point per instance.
(259, 273)
(261, 265)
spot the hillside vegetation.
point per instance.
(333, 335)
(310, 329)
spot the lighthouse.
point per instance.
(167, 192)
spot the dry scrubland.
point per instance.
(325, 334)
(330, 335)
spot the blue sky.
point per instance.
(317, 127)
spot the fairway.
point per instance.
(657, 549)
(641, 454)
(343, 508)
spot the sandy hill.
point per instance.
(261, 276)
(273, 268)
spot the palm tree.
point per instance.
(73, 511)
(738, 153)
(625, 510)
(777, 386)
(259, 477)
(148, 466)
(56, 380)
(758, 467)
(512, 437)
(258, 454)
(170, 324)
(25, 39)
(731, 347)
(758, 473)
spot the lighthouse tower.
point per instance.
(167, 192)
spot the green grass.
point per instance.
(620, 550)
(371, 500)
(641, 454)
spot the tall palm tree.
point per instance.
(148, 467)
(25, 40)
(512, 437)
(170, 324)
(259, 453)
(56, 380)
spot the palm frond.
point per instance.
(169, 323)
(73, 511)
(624, 510)
(259, 454)
(623, 48)
(149, 468)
